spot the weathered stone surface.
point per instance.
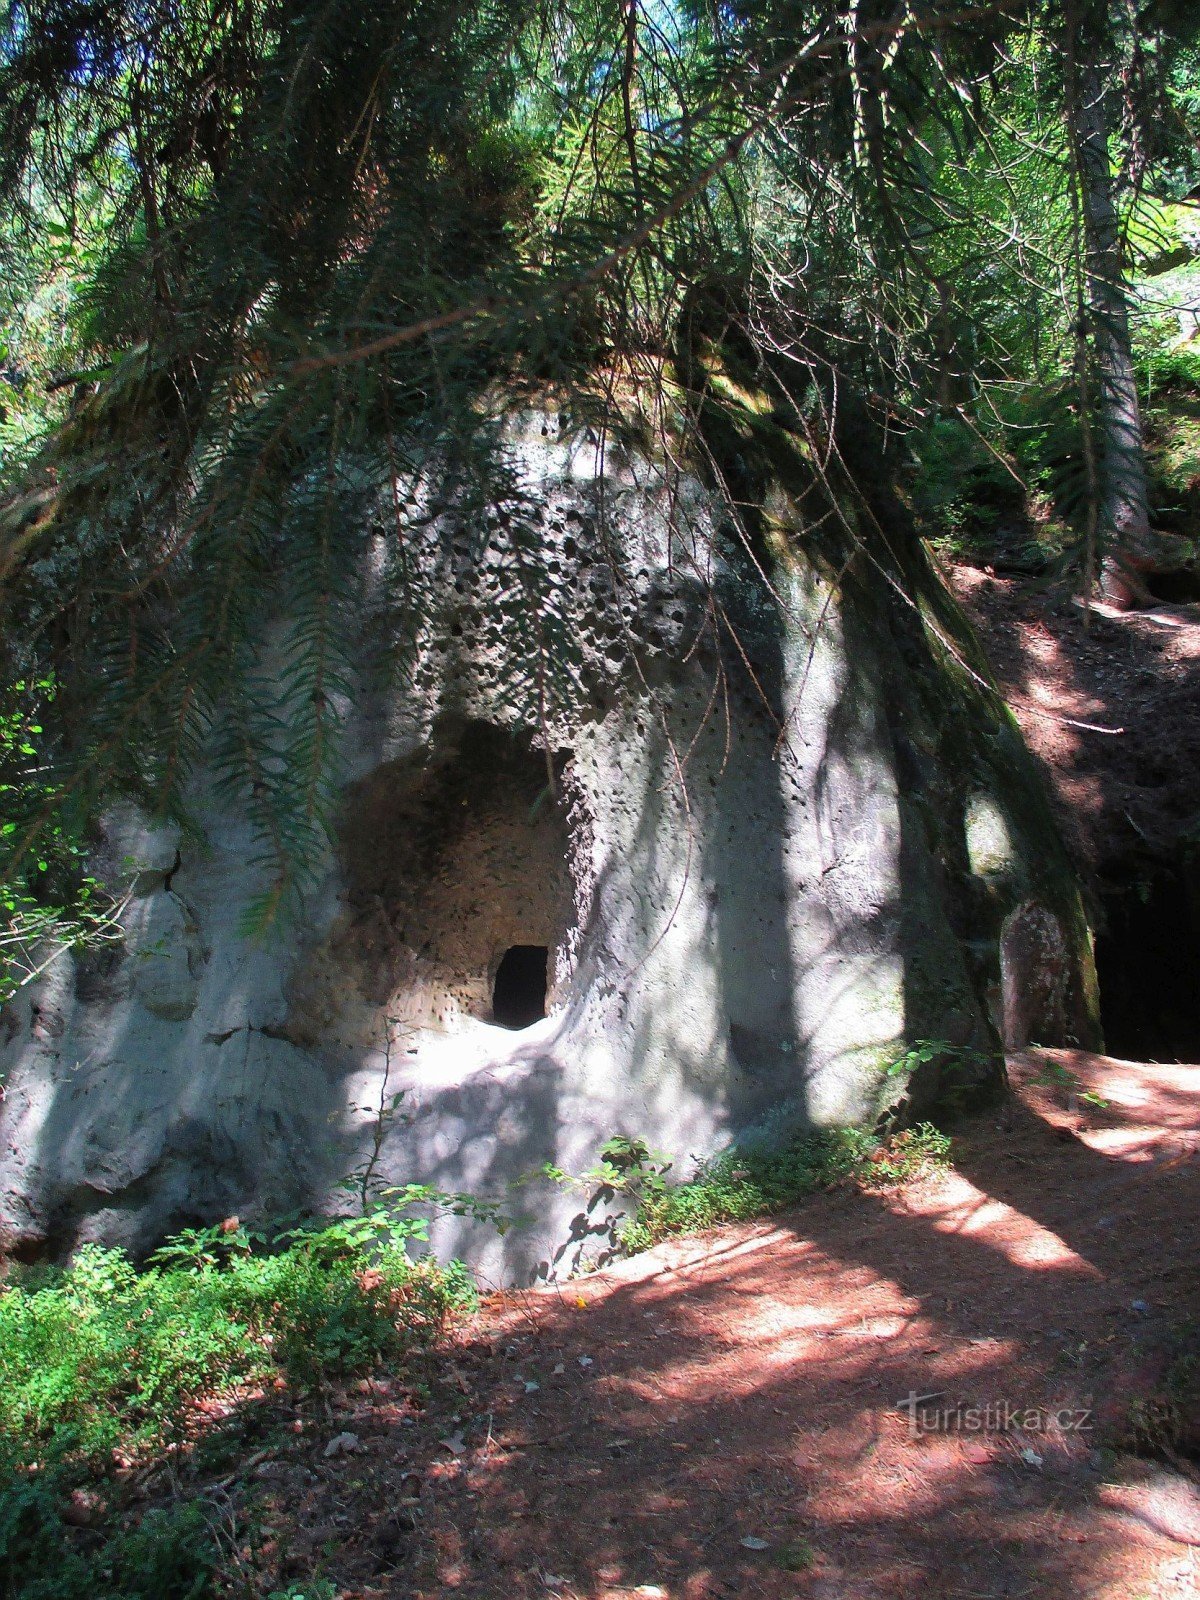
(1045, 998)
(767, 841)
(169, 956)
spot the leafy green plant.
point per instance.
(905, 1155)
(101, 1362)
(1171, 368)
(213, 1246)
(51, 903)
(398, 1216)
(1052, 1074)
(105, 1357)
(628, 1166)
(952, 1058)
(961, 491)
(739, 1184)
(958, 1067)
(798, 1556)
(169, 1552)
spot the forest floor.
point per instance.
(725, 1415)
(1108, 701)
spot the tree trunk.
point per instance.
(1123, 515)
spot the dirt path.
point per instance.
(1110, 707)
(719, 1416)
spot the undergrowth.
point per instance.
(740, 1184)
(109, 1371)
(104, 1369)
(1020, 498)
(1164, 1421)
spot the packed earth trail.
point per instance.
(1109, 703)
(981, 1385)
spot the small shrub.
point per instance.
(166, 1553)
(740, 1184)
(961, 494)
(101, 1362)
(1053, 1075)
(904, 1156)
(796, 1557)
(1170, 368)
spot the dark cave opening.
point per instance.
(1148, 966)
(1179, 588)
(519, 993)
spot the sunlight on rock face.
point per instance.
(719, 841)
(990, 846)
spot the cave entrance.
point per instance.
(1179, 588)
(1148, 964)
(519, 992)
(455, 855)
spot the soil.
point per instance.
(722, 1416)
(731, 1414)
(1109, 701)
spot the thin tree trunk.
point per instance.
(1123, 515)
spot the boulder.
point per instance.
(746, 801)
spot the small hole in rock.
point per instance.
(519, 993)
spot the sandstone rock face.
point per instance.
(765, 836)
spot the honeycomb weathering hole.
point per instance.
(519, 992)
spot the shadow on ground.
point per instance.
(719, 1417)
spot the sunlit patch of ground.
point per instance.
(732, 1414)
(1109, 702)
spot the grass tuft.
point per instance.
(740, 1184)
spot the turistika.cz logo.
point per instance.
(926, 1415)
